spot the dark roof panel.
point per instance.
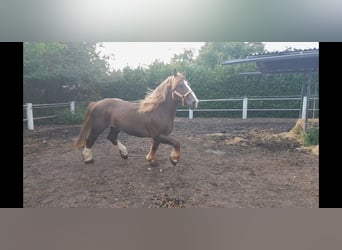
(283, 62)
(286, 52)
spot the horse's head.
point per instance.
(181, 92)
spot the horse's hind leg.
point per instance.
(87, 154)
(113, 137)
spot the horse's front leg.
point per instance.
(175, 154)
(151, 156)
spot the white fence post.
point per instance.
(305, 102)
(244, 108)
(72, 107)
(29, 116)
(191, 114)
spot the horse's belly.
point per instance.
(143, 129)
(135, 131)
(133, 126)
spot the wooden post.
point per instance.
(191, 114)
(29, 115)
(308, 79)
(244, 108)
(72, 107)
(304, 109)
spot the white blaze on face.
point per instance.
(192, 92)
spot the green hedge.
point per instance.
(65, 117)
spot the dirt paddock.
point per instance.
(230, 163)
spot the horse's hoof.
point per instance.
(174, 162)
(90, 161)
(125, 157)
(153, 163)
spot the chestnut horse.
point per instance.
(152, 117)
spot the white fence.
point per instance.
(245, 101)
(302, 108)
(29, 111)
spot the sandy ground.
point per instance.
(230, 163)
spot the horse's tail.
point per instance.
(80, 142)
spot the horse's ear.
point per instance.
(174, 72)
(184, 74)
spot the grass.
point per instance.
(311, 136)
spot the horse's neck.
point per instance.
(168, 107)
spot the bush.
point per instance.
(65, 117)
(311, 137)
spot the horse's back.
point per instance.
(117, 104)
(112, 110)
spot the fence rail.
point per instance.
(29, 111)
(245, 101)
(302, 107)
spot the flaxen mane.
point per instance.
(158, 95)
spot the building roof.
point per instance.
(283, 62)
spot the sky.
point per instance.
(134, 54)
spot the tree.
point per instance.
(214, 53)
(56, 72)
(187, 56)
